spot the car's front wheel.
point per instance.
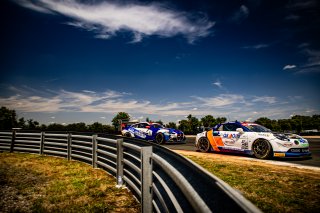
(159, 139)
(127, 134)
(203, 144)
(262, 149)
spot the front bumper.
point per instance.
(294, 152)
(177, 138)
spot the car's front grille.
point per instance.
(180, 137)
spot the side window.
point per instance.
(143, 125)
(230, 127)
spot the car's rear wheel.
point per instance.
(127, 134)
(262, 149)
(159, 139)
(203, 144)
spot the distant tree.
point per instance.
(8, 118)
(56, 127)
(184, 126)
(120, 116)
(171, 125)
(43, 127)
(31, 124)
(220, 120)
(147, 119)
(22, 123)
(316, 122)
(264, 121)
(96, 127)
(193, 124)
(77, 127)
(208, 121)
(108, 129)
(285, 124)
(159, 122)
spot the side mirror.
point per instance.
(240, 130)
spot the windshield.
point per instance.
(158, 126)
(257, 128)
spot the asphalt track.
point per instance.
(313, 161)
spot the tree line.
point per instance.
(190, 125)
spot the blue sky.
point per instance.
(84, 61)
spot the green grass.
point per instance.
(271, 188)
(34, 183)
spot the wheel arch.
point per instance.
(265, 139)
(271, 152)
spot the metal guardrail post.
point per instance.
(12, 140)
(119, 162)
(94, 151)
(42, 142)
(146, 179)
(69, 144)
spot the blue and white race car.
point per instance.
(252, 139)
(153, 132)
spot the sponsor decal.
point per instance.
(263, 134)
(229, 141)
(244, 144)
(279, 154)
(230, 148)
(138, 133)
(231, 135)
(303, 141)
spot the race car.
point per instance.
(153, 132)
(251, 139)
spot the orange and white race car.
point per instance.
(251, 139)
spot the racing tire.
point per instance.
(203, 144)
(159, 139)
(262, 149)
(127, 135)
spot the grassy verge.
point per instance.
(34, 183)
(271, 188)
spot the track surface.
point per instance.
(314, 148)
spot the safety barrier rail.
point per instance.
(162, 180)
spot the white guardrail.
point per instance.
(162, 180)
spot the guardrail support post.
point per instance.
(69, 141)
(42, 143)
(146, 179)
(12, 140)
(94, 151)
(119, 162)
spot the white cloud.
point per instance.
(241, 14)
(106, 19)
(221, 100)
(312, 65)
(266, 99)
(257, 46)
(289, 67)
(66, 103)
(218, 84)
